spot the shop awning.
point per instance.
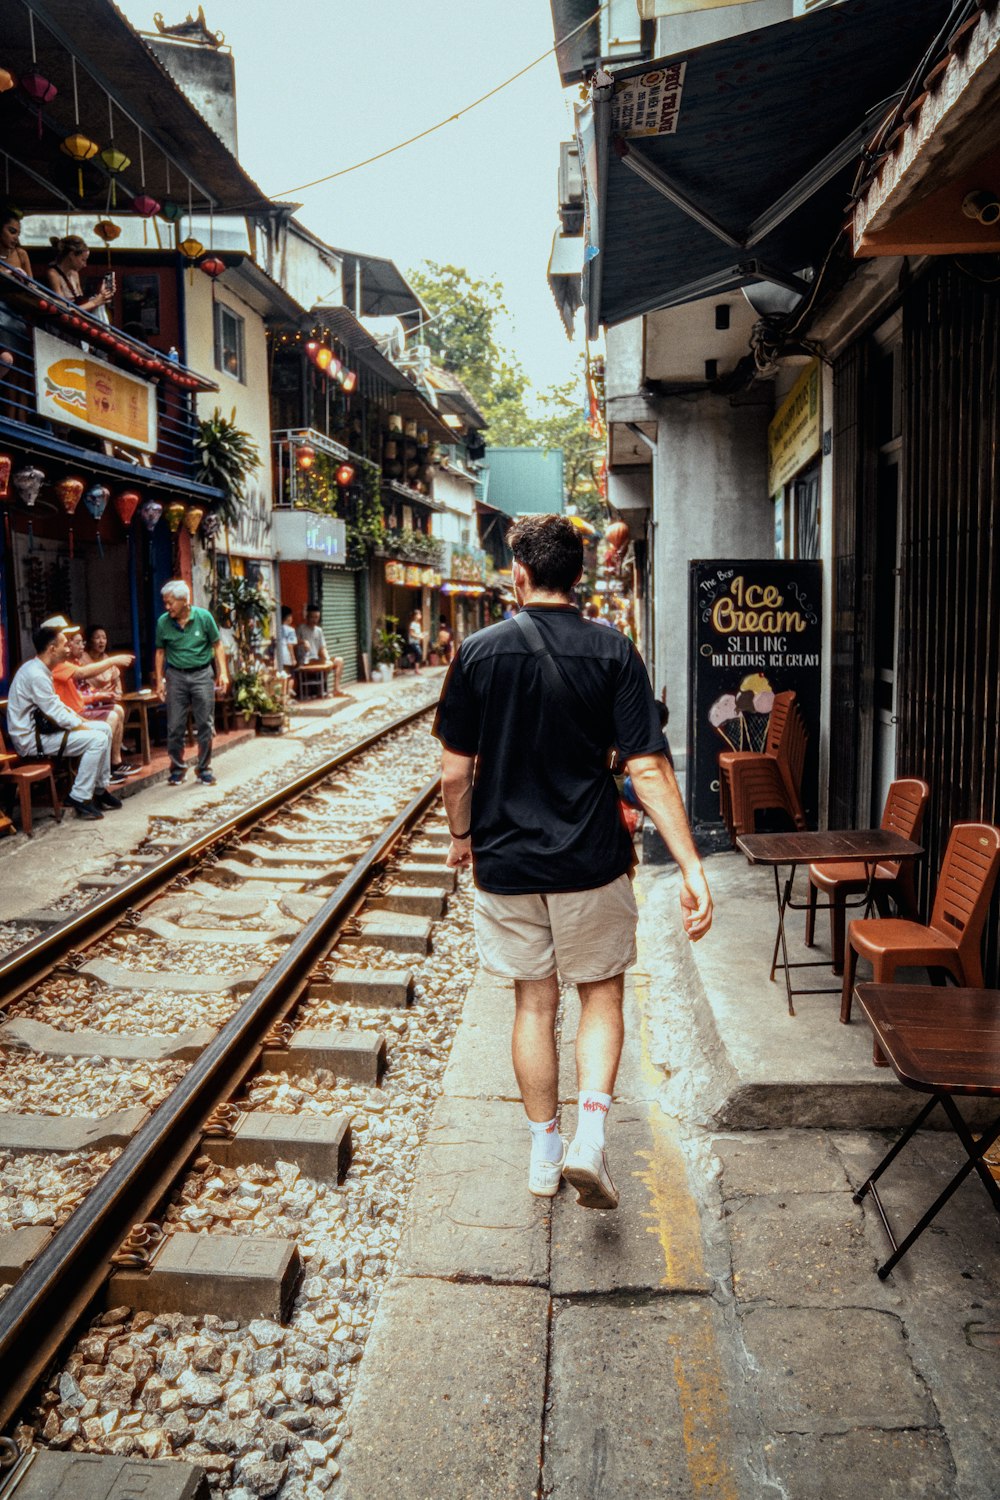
(565, 277)
(731, 164)
(377, 288)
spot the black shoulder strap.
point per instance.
(566, 696)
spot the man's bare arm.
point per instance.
(457, 772)
(655, 785)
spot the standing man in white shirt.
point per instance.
(39, 724)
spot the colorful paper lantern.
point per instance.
(193, 517)
(106, 230)
(312, 348)
(617, 535)
(345, 475)
(69, 492)
(305, 456)
(191, 247)
(126, 504)
(40, 90)
(212, 266)
(175, 515)
(79, 148)
(6, 463)
(151, 512)
(324, 358)
(7, 80)
(170, 211)
(96, 500)
(28, 481)
(349, 381)
(145, 205)
(116, 162)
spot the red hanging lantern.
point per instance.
(312, 349)
(126, 503)
(305, 456)
(617, 535)
(40, 90)
(213, 268)
(6, 463)
(69, 492)
(349, 381)
(345, 475)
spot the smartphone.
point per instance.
(109, 282)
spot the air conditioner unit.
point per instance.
(570, 177)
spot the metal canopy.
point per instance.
(753, 181)
(384, 291)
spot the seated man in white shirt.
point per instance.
(40, 724)
(312, 647)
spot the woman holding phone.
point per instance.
(69, 257)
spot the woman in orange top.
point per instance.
(98, 704)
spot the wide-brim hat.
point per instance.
(60, 622)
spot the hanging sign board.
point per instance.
(649, 104)
(76, 387)
(756, 630)
(309, 536)
(796, 431)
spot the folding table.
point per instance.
(942, 1043)
(867, 846)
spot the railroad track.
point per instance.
(47, 1302)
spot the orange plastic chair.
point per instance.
(728, 759)
(952, 940)
(758, 783)
(903, 813)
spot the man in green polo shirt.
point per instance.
(187, 640)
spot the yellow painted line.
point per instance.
(704, 1411)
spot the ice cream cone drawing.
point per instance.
(741, 718)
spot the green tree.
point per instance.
(563, 424)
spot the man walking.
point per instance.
(187, 641)
(40, 724)
(529, 711)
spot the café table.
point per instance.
(942, 1043)
(137, 710)
(311, 679)
(868, 846)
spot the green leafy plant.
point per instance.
(387, 648)
(413, 546)
(248, 609)
(228, 457)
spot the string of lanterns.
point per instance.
(26, 483)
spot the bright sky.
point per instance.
(322, 84)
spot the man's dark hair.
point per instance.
(43, 638)
(313, 609)
(550, 548)
(287, 612)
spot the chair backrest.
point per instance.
(776, 724)
(965, 885)
(905, 805)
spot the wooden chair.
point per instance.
(26, 776)
(903, 813)
(750, 782)
(952, 940)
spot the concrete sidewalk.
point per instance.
(724, 1333)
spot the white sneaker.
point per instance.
(586, 1169)
(544, 1176)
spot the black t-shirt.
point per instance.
(545, 811)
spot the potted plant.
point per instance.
(387, 648)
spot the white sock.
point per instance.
(546, 1142)
(590, 1118)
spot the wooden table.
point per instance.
(942, 1043)
(311, 679)
(867, 846)
(137, 707)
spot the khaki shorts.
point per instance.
(585, 935)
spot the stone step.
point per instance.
(437, 876)
(97, 1476)
(388, 988)
(396, 931)
(152, 981)
(320, 1146)
(18, 1249)
(357, 1055)
(415, 900)
(49, 1134)
(25, 1035)
(234, 1276)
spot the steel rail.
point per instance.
(44, 1306)
(27, 965)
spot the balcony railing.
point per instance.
(298, 455)
(107, 391)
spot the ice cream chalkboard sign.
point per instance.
(756, 630)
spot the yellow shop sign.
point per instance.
(795, 433)
(76, 387)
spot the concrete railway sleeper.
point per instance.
(63, 1276)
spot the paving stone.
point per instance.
(428, 853)
(450, 1395)
(470, 1214)
(24, 1134)
(436, 876)
(218, 937)
(411, 899)
(638, 1402)
(479, 1066)
(388, 988)
(92, 1476)
(842, 1466)
(808, 1249)
(779, 1161)
(153, 981)
(359, 1055)
(652, 1241)
(320, 1146)
(36, 1036)
(393, 930)
(233, 1276)
(831, 1370)
(18, 1248)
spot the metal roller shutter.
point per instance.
(340, 619)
